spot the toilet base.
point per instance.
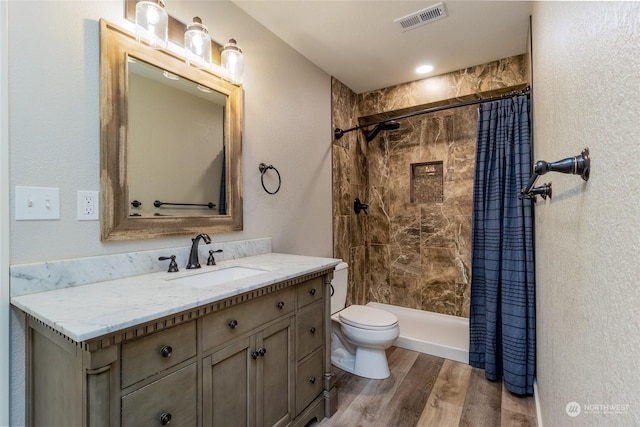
(367, 362)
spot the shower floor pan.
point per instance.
(437, 334)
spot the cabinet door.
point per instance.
(229, 386)
(274, 376)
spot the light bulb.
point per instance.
(152, 23)
(233, 61)
(197, 44)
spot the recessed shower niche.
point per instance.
(427, 182)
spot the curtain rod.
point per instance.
(337, 133)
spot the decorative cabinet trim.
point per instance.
(106, 379)
(162, 323)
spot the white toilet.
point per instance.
(359, 334)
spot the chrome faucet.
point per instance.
(193, 256)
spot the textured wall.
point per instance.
(586, 75)
(406, 253)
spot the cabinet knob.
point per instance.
(312, 291)
(166, 351)
(259, 352)
(165, 418)
(233, 324)
(281, 305)
(312, 330)
(312, 380)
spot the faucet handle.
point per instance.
(173, 265)
(211, 260)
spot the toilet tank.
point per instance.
(339, 284)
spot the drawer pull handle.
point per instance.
(233, 324)
(312, 380)
(312, 330)
(166, 351)
(165, 418)
(281, 305)
(312, 291)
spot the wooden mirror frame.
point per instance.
(116, 223)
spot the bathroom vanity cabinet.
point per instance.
(259, 358)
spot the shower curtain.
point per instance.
(502, 312)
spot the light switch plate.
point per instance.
(37, 203)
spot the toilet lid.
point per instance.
(364, 317)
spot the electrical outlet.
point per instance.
(88, 205)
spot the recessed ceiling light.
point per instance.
(170, 76)
(424, 69)
(204, 89)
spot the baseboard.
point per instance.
(536, 397)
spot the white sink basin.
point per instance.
(217, 277)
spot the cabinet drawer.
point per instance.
(234, 321)
(309, 381)
(173, 398)
(309, 329)
(310, 291)
(154, 353)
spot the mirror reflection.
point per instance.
(174, 125)
(170, 138)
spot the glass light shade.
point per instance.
(197, 44)
(152, 24)
(233, 61)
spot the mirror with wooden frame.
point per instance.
(171, 146)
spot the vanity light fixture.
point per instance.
(197, 44)
(233, 61)
(152, 23)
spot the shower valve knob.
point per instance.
(358, 207)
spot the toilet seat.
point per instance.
(369, 318)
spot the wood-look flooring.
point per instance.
(426, 391)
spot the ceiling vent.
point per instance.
(421, 17)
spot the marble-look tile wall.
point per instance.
(420, 252)
(350, 177)
(415, 255)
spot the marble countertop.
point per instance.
(89, 311)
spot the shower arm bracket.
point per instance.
(578, 165)
(369, 134)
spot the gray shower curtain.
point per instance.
(502, 312)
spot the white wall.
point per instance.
(586, 75)
(55, 134)
(54, 113)
(4, 219)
